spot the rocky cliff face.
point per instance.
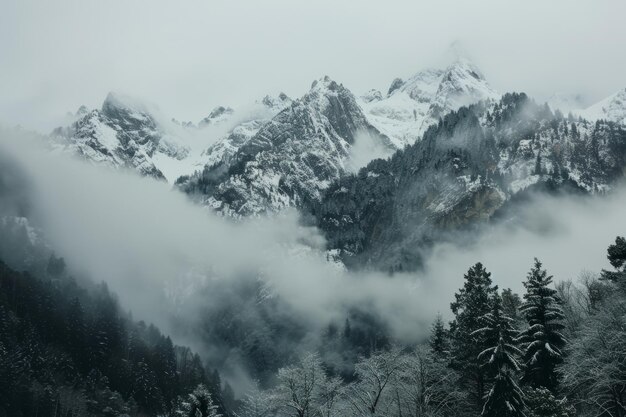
(465, 169)
(125, 133)
(289, 160)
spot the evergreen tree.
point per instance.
(505, 399)
(198, 404)
(511, 303)
(542, 403)
(574, 131)
(472, 301)
(166, 368)
(538, 170)
(76, 333)
(616, 255)
(542, 339)
(56, 266)
(439, 338)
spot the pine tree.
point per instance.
(540, 402)
(616, 255)
(542, 339)
(471, 302)
(505, 399)
(439, 338)
(538, 170)
(511, 303)
(76, 332)
(198, 404)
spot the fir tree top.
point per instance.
(499, 334)
(475, 295)
(542, 339)
(505, 398)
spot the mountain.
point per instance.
(467, 168)
(289, 160)
(218, 115)
(223, 150)
(612, 108)
(122, 134)
(412, 105)
(126, 133)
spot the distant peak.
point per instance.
(372, 95)
(464, 65)
(395, 84)
(324, 82)
(218, 115)
(219, 111)
(276, 101)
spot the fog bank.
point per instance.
(157, 250)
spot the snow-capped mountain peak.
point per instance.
(612, 108)
(291, 159)
(420, 87)
(462, 83)
(218, 115)
(413, 105)
(124, 133)
(276, 103)
(372, 95)
(321, 91)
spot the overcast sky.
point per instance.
(189, 56)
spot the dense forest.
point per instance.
(559, 350)
(66, 351)
(466, 169)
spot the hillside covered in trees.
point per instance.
(466, 170)
(66, 351)
(558, 350)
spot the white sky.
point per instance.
(189, 56)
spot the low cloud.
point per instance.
(366, 147)
(159, 252)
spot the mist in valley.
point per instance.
(176, 264)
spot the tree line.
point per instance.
(559, 350)
(66, 351)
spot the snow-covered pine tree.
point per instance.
(505, 398)
(542, 340)
(540, 402)
(199, 403)
(439, 345)
(616, 255)
(511, 302)
(471, 302)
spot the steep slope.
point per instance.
(123, 133)
(413, 105)
(289, 160)
(224, 149)
(69, 348)
(612, 108)
(462, 172)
